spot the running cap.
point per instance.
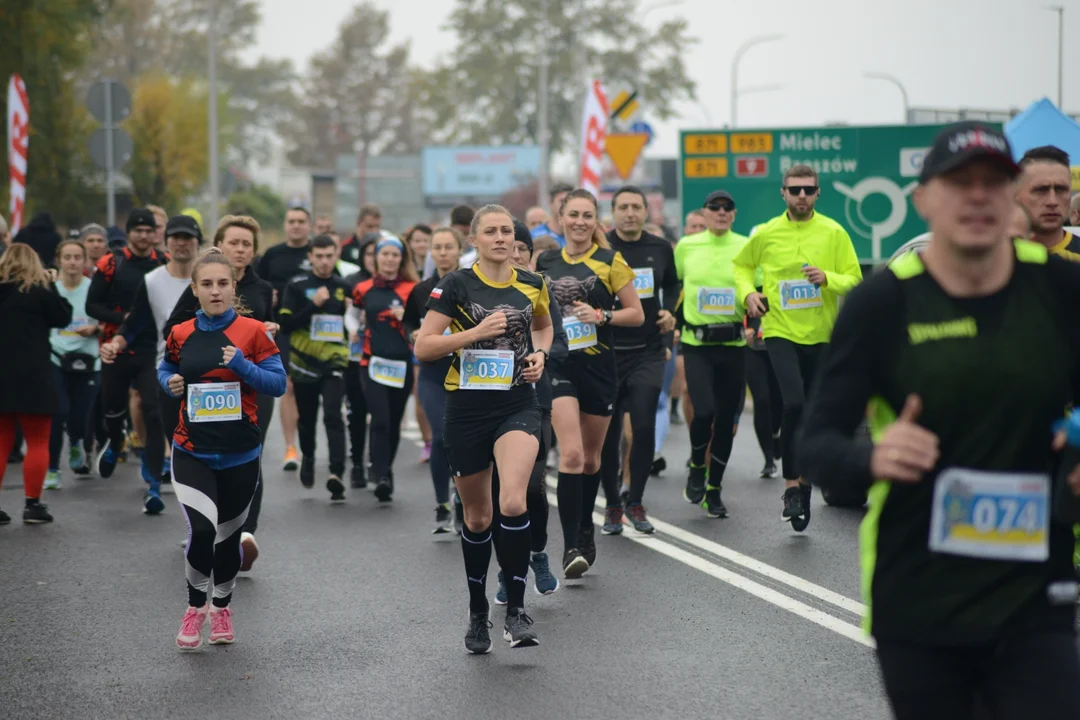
(141, 217)
(716, 195)
(962, 143)
(183, 225)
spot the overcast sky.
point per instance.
(987, 54)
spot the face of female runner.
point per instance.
(388, 261)
(214, 287)
(494, 237)
(238, 246)
(579, 220)
(445, 251)
(72, 260)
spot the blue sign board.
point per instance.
(480, 172)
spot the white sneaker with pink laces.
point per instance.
(190, 635)
(221, 629)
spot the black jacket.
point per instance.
(26, 373)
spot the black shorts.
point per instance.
(471, 428)
(591, 379)
(640, 368)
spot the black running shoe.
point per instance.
(358, 479)
(4, 518)
(586, 542)
(573, 564)
(477, 637)
(798, 524)
(307, 472)
(384, 489)
(36, 514)
(714, 506)
(443, 520)
(336, 488)
(793, 504)
(769, 471)
(636, 513)
(659, 465)
(695, 485)
(518, 630)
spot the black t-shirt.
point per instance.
(113, 287)
(653, 262)
(281, 263)
(416, 309)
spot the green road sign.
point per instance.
(866, 175)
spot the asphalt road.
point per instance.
(356, 610)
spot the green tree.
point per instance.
(261, 203)
(486, 90)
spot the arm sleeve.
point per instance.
(170, 364)
(831, 455)
(670, 282)
(621, 274)
(542, 307)
(185, 310)
(266, 377)
(848, 274)
(296, 310)
(746, 263)
(560, 346)
(414, 311)
(97, 297)
(140, 314)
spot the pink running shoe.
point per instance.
(425, 454)
(221, 630)
(190, 635)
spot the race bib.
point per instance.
(991, 515)
(799, 295)
(390, 373)
(716, 301)
(356, 351)
(77, 322)
(486, 369)
(328, 328)
(214, 402)
(644, 283)
(579, 335)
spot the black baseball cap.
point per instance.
(963, 143)
(716, 196)
(183, 225)
(522, 234)
(141, 217)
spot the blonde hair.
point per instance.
(158, 210)
(599, 237)
(214, 256)
(241, 221)
(452, 231)
(65, 243)
(491, 209)
(21, 264)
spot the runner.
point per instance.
(237, 237)
(216, 364)
(713, 347)
(76, 366)
(966, 546)
(312, 314)
(765, 390)
(418, 240)
(535, 217)
(387, 356)
(28, 396)
(92, 237)
(586, 277)
(368, 222)
(1043, 190)
(808, 262)
(501, 332)
(355, 402)
(461, 217)
(109, 300)
(278, 265)
(695, 223)
(161, 218)
(640, 355)
(552, 227)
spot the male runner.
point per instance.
(1043, 190)
(552, 228)
(368, 221)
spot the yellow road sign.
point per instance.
(705, 167)
(625, 106)
(710, 144)
(751, 142)
(624, 149)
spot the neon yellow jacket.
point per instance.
(780, 248)
(704, 260)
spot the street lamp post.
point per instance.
(1060, 10)
(899, 85)
(735, 92)
(542, 110)
(212, 115)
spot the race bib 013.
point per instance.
(799, 295)
(486, 369)
(390, 373)
(644, 283)
(579, 335)
(994, 516)
(214, 402)
(328, 328)
(716, 301)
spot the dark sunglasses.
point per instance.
(801, 189)
(726, 206)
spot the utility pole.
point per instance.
(212, 114)
(542, 108)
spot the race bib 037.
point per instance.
(486, 369)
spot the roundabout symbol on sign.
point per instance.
(875, 232)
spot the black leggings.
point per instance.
(716, 380)
(1035, 675)
(356, 405)
(536, 500)
(794, 366)
(215, 504)
(139, 372)
(387, 408)
(641, 378)
(331, 390)
(77, 393)
(768, 403)
(265, 414)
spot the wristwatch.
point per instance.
(607, 316)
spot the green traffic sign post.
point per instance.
(866, 174)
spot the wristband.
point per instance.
(599, 317)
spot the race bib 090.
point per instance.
(214, 402)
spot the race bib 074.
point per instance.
(486, 369)
(214, 402)
(799, 295)
(716, 301)
(328, 328)
(644, 283)
(579, 335)
(387, 372)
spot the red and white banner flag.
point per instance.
(594, 130)
(18, 132)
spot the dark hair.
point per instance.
(368, 211)
(633, 190)
(323, 241)
(1045, 153)
(558, 189)
(419, 227)
(800, 171)
(299, 208)
(462, 215)
(598, 238)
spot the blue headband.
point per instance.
(390, 241)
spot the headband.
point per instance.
(389, 242)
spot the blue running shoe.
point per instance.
(106, 460)
(153, 504)
(546, 583)
(500, 595)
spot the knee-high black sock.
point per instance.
(476, 547)
(590, 488)
(538, 518)
(569, 493)
(515, 557)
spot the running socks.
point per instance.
(569, 494)
(515, 541)
(476, 547)
(537, 503)
(590, 488)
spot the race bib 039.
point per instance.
(486, 369)
(390, 373)
(716, 301)
(214, 402)
(328, 328)
(990, 515)
(644, 283)
(799, 295)
(579, 335)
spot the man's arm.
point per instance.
(746, 263)
(847, 274)
(139, 317)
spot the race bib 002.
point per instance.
(644, 283)
(799, 295)
(390, 373)
(328, 328)
(716, 301)
(486, 369)
(579, 335)
(214, 402)
(995, 516)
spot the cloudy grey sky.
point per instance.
(987, 54)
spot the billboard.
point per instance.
(866, 176)
(478, 172)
